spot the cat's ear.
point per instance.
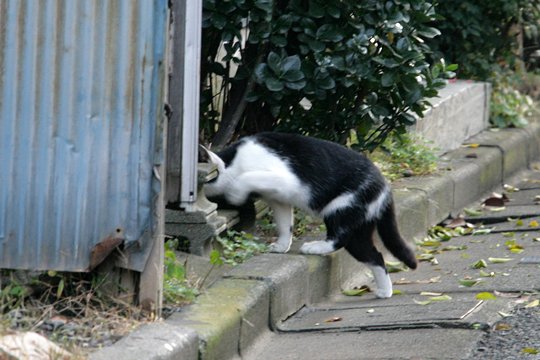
(213, 158)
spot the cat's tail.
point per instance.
(392, 240)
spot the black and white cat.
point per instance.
(320, 177)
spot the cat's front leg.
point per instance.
(284, 219)
(242, 186)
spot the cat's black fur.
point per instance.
(342, 186)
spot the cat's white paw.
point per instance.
(278, 247)
(383, 282)
(383, 293)
(317, 247)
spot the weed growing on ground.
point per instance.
(509, 107)
(303, 224)
(405, 155)
(238, 246)
(176, 288)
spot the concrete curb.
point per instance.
(254, 297)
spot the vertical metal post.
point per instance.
(184, 101)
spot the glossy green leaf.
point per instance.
(274, 62)
(429, 32)
(291, 63)
(296, 85)
(273, 84)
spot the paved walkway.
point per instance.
(436, 315)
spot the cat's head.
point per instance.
(213, 158)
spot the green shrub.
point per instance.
(481, 35)
(492, 41)
(318, 67)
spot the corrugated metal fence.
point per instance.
(81, 128)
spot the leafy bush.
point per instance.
(480, 35)
(318, 67)
(492, 41)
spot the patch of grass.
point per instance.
(405, 155)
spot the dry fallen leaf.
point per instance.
(441, 298)
(333, 319)
(506, 294)
(502, 326)
(533, 303)
(404, 281)
(494, 201)
(510, 188)
(457, 222)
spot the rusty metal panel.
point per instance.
(81, 128)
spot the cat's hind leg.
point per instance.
(362, 249)
(284, 219)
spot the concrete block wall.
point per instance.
(460, 111)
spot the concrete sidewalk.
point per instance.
(274, 305)
(435, 316)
